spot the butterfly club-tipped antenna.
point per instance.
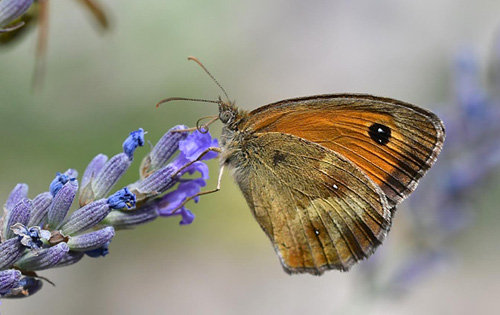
(210, 75)
(219, 101)
(202, 128)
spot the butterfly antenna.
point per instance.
(186, 99)
(209, 74)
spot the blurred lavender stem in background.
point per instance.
(443, 204)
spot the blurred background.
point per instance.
(442, 253)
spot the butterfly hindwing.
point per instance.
(319, 209)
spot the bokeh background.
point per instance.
(99, 86)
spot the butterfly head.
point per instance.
(229, 114)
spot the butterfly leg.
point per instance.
(210, 149)
(221, 171)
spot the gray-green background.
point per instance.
(100, 86)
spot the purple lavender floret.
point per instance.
(136, 139)
(27, 286)
(98, 252)
(170, 203)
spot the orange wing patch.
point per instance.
(394, 146)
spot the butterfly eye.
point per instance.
(225, 116)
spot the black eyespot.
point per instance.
(379, 133)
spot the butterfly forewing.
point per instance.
(319, 209)
(393, 142)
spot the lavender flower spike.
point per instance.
(92, 240)
(11, 10)
(9, 279)
(19, 214)
(43, 259)
(37, 235)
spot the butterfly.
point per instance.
(323, 174)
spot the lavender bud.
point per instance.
(92, 240)
(86, 217)
(110, 173)
(70, 258)
(93, 168)
(9, 279)
(59, 181)
(164, 149)
(41, 205)
(123, 198)
(17, 194)
(128, 219)
(19, 214)
(12, 9)
(135, 139)
(61, 203)
(44, 258)
(155, 184)
(10, 251)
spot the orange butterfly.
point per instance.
(323, 174)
